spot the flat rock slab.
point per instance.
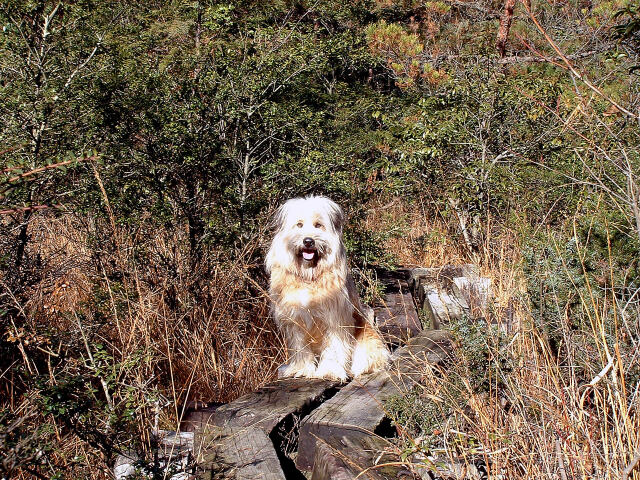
(396, 315)
(357, 411)
(237, 454)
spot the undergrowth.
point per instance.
(552, 394)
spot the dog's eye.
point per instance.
(318, 225)
(299, 224)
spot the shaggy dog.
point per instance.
(315, 301)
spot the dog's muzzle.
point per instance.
(309, 249)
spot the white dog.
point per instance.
(315, 301)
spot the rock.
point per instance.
(173, 454)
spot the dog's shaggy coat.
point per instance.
(315, 301)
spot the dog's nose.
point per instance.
(308, 242)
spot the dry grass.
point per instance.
(209, 327)
(176, 332)
(543, 422)
(414, 235)
(527, 410)
(153, 329)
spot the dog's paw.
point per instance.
(331, 370)
(297, 370)
(359, 365)
(367, 358)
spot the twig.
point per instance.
(50, 167)
(80, 67)
(105, 387)
(563, 472)
(602, 373)
(28, 209)
(572, 69)
(627, 471)
(539, 58)
(9, 150)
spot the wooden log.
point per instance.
(173, 454)
(438, 276)
(476, 293)
(448, 293)
(269, 405)
(239, 440)
(236, 453)
(441, 306)
(198, 418)
(345, 458)
(397, 318)
(396, 315)
(358, 409)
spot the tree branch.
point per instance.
(572, 69)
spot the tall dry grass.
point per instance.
(207, 323)
(544, 420)
(512, 403)
(156, 330)
(134, 315)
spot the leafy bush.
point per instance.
(145, 146)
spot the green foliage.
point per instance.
(570, 274)
(476, 136)
(481, 366)
(629, 28)
(134, 118)
(49, 55)
(22, 446)
(417, 414)
(482, 353)
(400, 49)
(93, 402)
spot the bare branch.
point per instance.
(82, 65)
(572, 69)
(50, 167)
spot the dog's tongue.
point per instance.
(308, 255)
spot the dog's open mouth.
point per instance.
(309, 254)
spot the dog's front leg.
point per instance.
(301, 359)
(334, 356)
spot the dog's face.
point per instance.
(308, 234)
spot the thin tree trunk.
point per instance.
(198, 28)
(505, 26)
(23, 238)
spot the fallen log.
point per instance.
(449, 293)
(395, 313)
(250, 437)
(323, 428)
(357, 411)
(237, 453)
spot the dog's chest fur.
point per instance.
(290, 291)
(316, 306)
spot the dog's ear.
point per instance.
(336, 215)
(277, 223)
